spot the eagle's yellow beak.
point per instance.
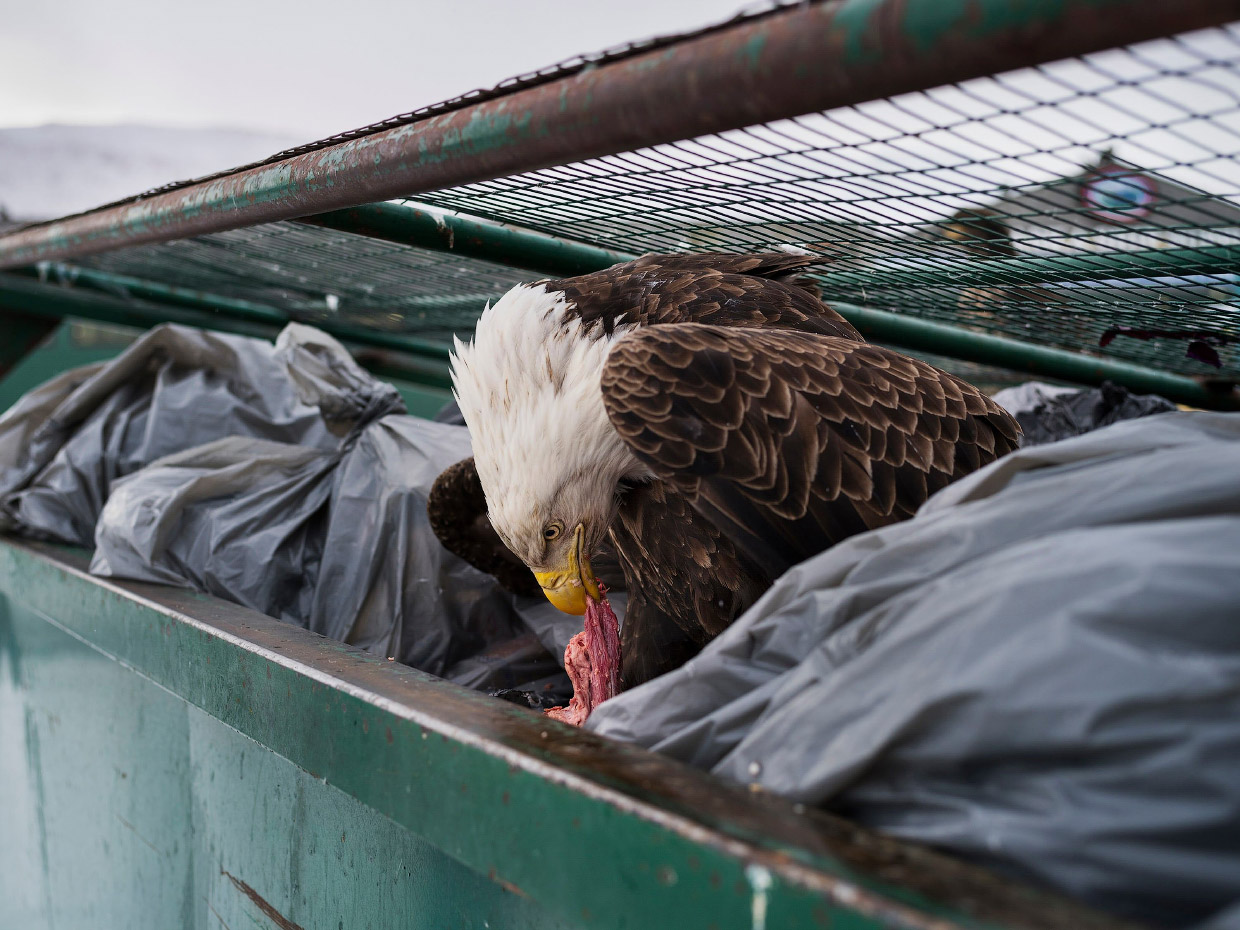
(568, 586)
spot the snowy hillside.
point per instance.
(49, 171)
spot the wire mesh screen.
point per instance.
(1091, 204)
(1060, 204)
(318, 275)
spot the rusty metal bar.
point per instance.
(795, 61)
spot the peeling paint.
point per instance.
(759, 879)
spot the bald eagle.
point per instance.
(702, 422)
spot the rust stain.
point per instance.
(211, 907)
(260, 902)
(139, 835)
(505, 884)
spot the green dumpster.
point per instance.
(169, 759)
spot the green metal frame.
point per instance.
(1042, 361)
(473, 238)
(595, 833)
(25, 333)
(404, 357)
(425, 361)
(1030, 272)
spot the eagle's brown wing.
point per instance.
(457, 509)
(706, 287)
(790, 442)
(693, 581)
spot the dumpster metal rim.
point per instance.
(803, 849)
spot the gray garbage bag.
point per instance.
(517, 664)
(338, 542)
(1040, 672)
(1226, 919)
(385, 583)
(1021, 398)
(239, 518)
(175, 388)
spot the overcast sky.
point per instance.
(308, 68)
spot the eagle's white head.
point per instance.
(547, 456)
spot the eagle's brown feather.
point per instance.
(457, 509)
(789, 442)
(712, 287)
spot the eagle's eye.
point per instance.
(552, 531)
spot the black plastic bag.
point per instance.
(1047, 414)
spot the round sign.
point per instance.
(1118, 195)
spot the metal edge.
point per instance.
(348, 717)
(416, 360)
(1030, 271)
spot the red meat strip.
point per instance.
(592, 661)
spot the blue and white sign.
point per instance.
(1118, 195)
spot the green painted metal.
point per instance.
(474, 238)
(23, 294)
(128, 697)
(926, 336)
(244, 311)
(1016, 272)
(22, 335)
(787, 63)
(73, 275)
(410, 359)
(121, 805)
(536, 251)
(73, 344)
(424, 362)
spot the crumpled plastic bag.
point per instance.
(239, 518)
(275, 476)
(1040, 672)
(385, 583)
(63, 445)
(1047, 413)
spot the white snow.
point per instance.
(51, 171)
